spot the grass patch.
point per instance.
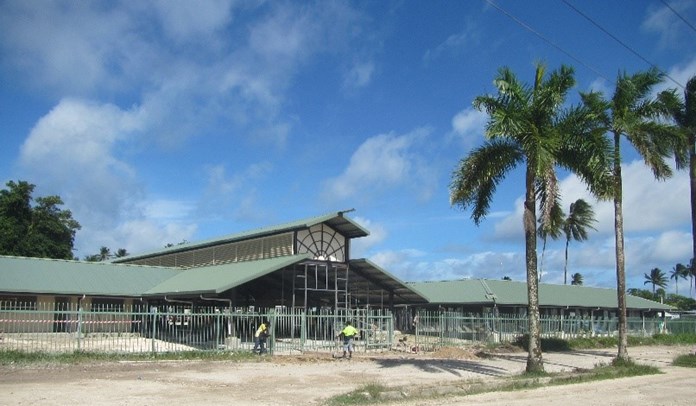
(687, 360)
(76, 357)
(557, 344)
(380, 394)
(366, 394)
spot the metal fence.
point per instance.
(58, 327)
(438, 329)
(139, 329)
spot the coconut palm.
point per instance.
(576, 279)
(580, 218)
(528, 125)
(104, 253)
(684, 114)
(634, 114)
(679, 271)
(656, 278)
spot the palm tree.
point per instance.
(685, 116)
(580, 218)
(121, 252)
(104, 253)
(632, 113)
(527, 125)
(656, 278)
(679, 271)
(576, 279)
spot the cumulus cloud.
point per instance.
(381, 163)
(361, 246)
(414, 265)
(469, 126)
(648, 204)
(74, 150)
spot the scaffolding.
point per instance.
(325, 277)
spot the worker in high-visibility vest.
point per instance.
(260, 337)
(348, 333)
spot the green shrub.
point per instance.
(687, 360)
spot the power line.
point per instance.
(622, 43)
(548, 41)
(678, 15)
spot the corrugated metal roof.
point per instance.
(336, 220)
(374, 275)
(483, 291)
(219, 278)
(61, 277)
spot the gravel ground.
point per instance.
(311, 378)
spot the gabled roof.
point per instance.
(61, 277)
(373, 274)
(219, 278)
(337, 221)
(489, 292)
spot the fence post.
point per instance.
(271, 338)
(79, 326)
(153, 310)
(441, 318)
(303, 329)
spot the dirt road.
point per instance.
(311, 379)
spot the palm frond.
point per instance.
(475, 180)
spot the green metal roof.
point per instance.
(374, 275)
(219, 278)
(482, 291)
(337, 221)
(61, 277)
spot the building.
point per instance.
(305, 264)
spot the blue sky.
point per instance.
(164, 121)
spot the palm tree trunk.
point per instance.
(565, 266)
(541, 263)
(692, 178)
(535, 362)
(620, 259)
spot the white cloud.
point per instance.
(233, 196)
(183, 20)
(361, 246)
(667, 24)
(381, 163)
(73, 150)
(456, 43)
(648, 204)
(359, 75)
(469, 126)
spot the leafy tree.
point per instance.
(644, 293)
(529, 125)
(684, 114)
(632, 113)
(656, 278)
(580, 218)
(507, 278)
(39, 230)
(576, 279)
(121, 252)
(680, 302)
(679, 271)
